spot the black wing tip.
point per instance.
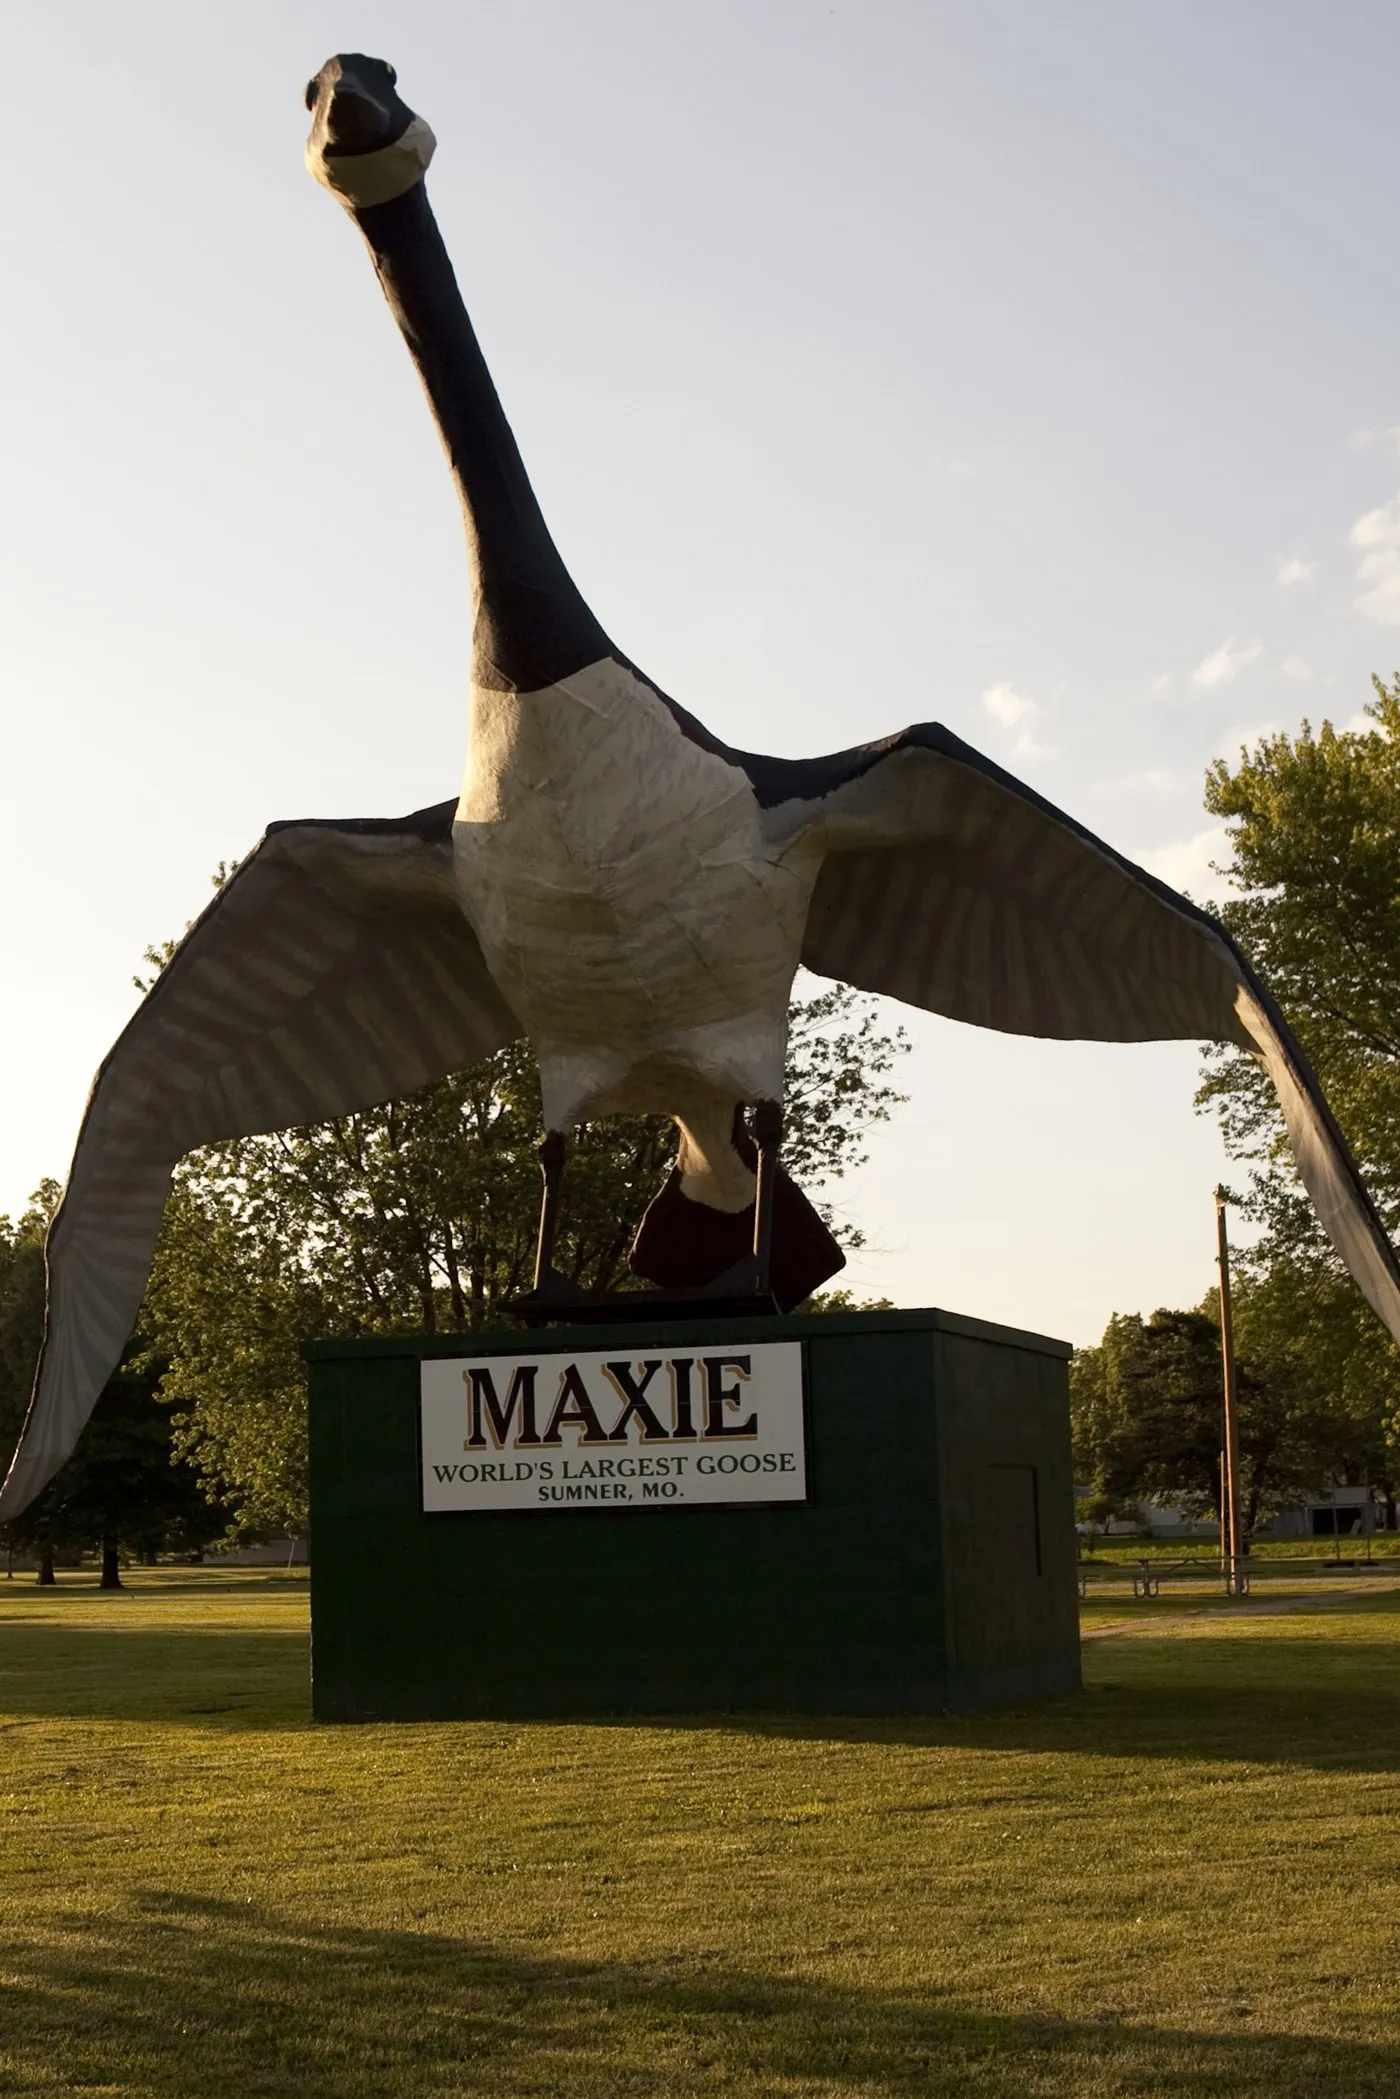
(433, 825)
(779, 780)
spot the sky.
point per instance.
(1033, 370)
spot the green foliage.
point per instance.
(1325, 1372)
(421, 1216)
(1147, 1410)
(836, 1086)
(1314, 826)
(22, 1307)
(228, 1309)
(123, 1485)
(844, 1301)
(124, 1481)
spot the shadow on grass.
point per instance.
(206, 2000)
(218, 1676)
(1301, 1703)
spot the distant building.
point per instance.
(1339, 1513)
(274, 1552)
(1331, 1512)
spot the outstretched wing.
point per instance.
(948, 884)
(334, 970)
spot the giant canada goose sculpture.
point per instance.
(623, 889)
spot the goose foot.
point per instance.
(553, 1293)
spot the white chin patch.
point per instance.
(375, 178)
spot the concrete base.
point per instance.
(931, 1570)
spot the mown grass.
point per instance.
(1180, 1884)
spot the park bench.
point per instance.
(1147, 1576)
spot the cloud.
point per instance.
(1377, 534)
(1296, 667)
(1012, 710)
(1383, 440)
(1186, 864)
(1007, 707)
(1161, 685)
(1295, 570)
(1225, 663)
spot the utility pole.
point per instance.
(1236, 1580)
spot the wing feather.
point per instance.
(949, 884)
(333, 971)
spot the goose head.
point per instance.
(366, 144)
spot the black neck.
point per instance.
(532, 626)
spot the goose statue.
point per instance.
(623, 889)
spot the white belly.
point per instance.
(626, 901)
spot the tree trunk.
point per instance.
(111, 1571)
(1251, 1514)
(47, 1578)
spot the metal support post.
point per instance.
(1236, 1579)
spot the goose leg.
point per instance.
(767, 1127)
(553, 1293)
(552, 1154)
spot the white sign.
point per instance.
(641, 1428)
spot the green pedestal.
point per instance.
(930, 1569)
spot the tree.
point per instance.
(22, 1323)
(22, 1307)
(1146, 1409)
(1315, 1346)
(421, 1215)
(123, 1489)
(844, 1301)
(1314, 827)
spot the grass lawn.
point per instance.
(1181, 1884)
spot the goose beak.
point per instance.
(366, 144)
